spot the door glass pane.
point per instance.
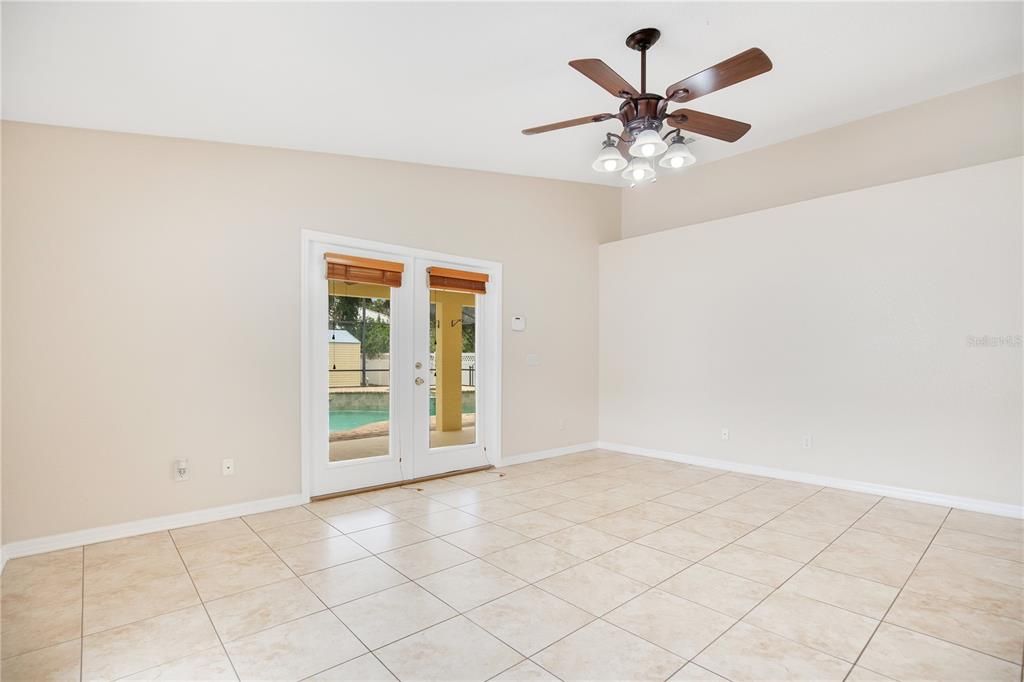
(453, 365)
(358, 367)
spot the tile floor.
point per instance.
(592, 566)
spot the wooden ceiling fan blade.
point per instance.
(707, 124)
(747, 64)
(602, 74)
(596, 118)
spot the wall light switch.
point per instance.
(519, 323)
(725, 433)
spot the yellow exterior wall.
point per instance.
(344, 356)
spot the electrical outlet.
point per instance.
(725, 433)
(181, 471)
(807, 442)
(227, 467)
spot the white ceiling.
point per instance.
(452, 84)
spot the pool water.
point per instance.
(343, 420)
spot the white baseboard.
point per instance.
(88, 536)
(546, 454)
(968, 503)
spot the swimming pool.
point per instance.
(343, 420)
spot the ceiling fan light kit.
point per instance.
(643, 114)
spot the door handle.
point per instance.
(419, 381)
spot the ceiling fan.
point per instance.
(643, 114)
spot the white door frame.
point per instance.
(490, 378)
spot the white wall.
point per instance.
(846, 317)
(974, 126)
(151, 300)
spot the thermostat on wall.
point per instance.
(518, 323)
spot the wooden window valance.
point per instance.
(446, 279)
(363, 270)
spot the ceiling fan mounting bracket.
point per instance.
(643, 39)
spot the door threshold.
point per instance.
(400, 484)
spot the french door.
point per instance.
(400, 364)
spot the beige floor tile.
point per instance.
(494, 509)
(532, 561)
(534, 524)
(418, 506)
(626, 524)
(527, 671)
(661, 513)
(218, 551)
(744, 512)
(485, 539)
(944, 560)
(337, 506)
(447, 521)
(205, 532)
(263, 607)
(361, 519)
(279, 517)
(805, 527)
(453, 650)
(57, 663)
(211, 665)
(821, 626)
(883, 558)
(782, 544)
(767, 569)
(366, 668)
(471, 584)
(681, 626)
(904, 655)
(316, 556)
(58, 574)
(294, 650)
(386, 616)
(574, 510)
(601, 651)
(115, 552)
(831, 510)
(461, 497)
(281, 537)
(715, 527)
(692, 672)
(612, 500)
(682, 543)
(136, 647)
(878, 522)
(390, 536)
(749, 654)
(582, 542)
(529, 619)
(437, 485)
(138, 601)
(38, 623)
(985, 524)
(112, 573)
(220, 580)
(723, 487)
(352, 580)
(684, 499)
(1000, 548)
(859, 674)
(859, 595)
(968, 590)
(592, 588)
(646, 564)
(915, 512)
(944, 619)
(537, 499)
(416, 561)
(723, 592)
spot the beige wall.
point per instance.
(967, 128)
(175, 266)
(846, 317)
